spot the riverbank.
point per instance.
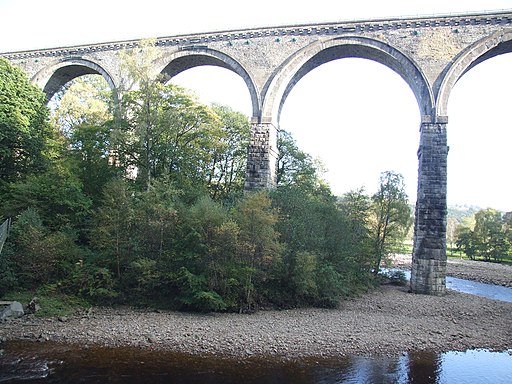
(383, 322)
(483, 272)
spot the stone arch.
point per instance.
(319, 53)
(53, 77)
(473, 55)
(190, 57)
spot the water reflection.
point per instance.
(423, 367)
(24, 362)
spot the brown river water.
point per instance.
(33, 362)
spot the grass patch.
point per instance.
(52, 304)
(454, 253)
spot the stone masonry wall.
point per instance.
(262, 157)
(429, 251)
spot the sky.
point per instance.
(359, 117)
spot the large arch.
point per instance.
(52, 78)
(197, 56)
(476, 53)
(319, 53)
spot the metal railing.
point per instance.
(4, 232)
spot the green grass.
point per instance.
(52, 304)
(456, 254)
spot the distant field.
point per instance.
(452, 252)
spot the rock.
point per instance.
(14, 310)
(33, 306)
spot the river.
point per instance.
(495, 292)
(490, 291)
(30, 362)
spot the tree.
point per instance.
(356, 207)
(83, 100)
(391, 215)
(213, 238)
(111, 232)
(24, 128)
(90, 153)
(39, 255)
(154, 221)
(260, 246)
(167, 133)
(489, 234)
(229, 155)
(293, 165)
(56, 194)
(465, 241)
(161, 129)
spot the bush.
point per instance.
(194, 295)
(330, 287)
(91, 282)
(394, 277)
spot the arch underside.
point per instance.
(64, 75)
(53, 78)
(365, 49)
(500, 49)
(205, 57)
(477, 53)
(183, 63)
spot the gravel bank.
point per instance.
(383, 322)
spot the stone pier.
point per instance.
(429, 251)
(262, 157)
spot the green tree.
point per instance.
(391, 215)
(90, 153)
(56, 194)
(356, 207)
(166, 133)
(293, 165)
(229, 155)
(82, 113)
(24, 128)
(259, 242)
(327, 245)
(39, 255)
(489, 234)
(213, 247)
(155, 218)
(162, 130)
(111, 232)
(83, 100)
(465, 241)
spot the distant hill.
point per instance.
(460, 212)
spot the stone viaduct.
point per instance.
(429, 53)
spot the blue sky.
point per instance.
(358, 127)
